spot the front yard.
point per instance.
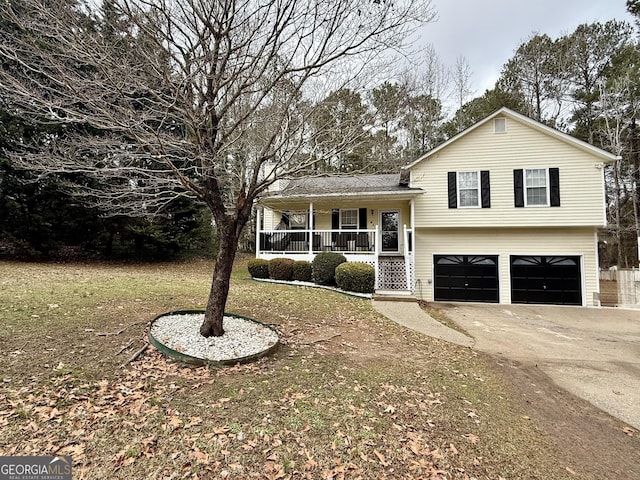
(348, 395)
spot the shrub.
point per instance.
(258, 268)
(356, 277)
(281, 269)
(302, 271)
(324, 267)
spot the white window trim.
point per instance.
(400, 231)
(479, 188)
(524, 187)
(357, 218)
(504, 120)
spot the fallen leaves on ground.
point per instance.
(132, 418)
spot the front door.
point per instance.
(389, 231)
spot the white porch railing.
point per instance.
(315, 241)
(356, 245)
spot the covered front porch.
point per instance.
(394, 272)
(387, 245)
(367, 218)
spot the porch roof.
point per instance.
(341, 186)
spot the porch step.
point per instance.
(394, 297)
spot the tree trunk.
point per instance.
(618, 212)
(214, 314)
(635, 161)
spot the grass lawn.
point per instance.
(348, 395)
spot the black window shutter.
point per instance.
(335, 219)
(554, 187)
(485, 189)
(285, 218)
(362, 218)
(453, 194)
(518, 188)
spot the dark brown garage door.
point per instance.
(466, 278)
(546, 280)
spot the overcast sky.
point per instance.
(487, 32)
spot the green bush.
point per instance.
(356, 277)
(324, 267)
(258, 268)
(281, 269)
(302, 271)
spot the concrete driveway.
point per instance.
(593, 353)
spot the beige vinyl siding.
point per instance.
(520, 147)
(270, 219)
(505, 242)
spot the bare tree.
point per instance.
(538, 70)
(434, 76)
(589, 50)
(614, 104)
(193, 98)
(461, 78)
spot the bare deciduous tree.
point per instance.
(539, 71)
(190, 97)
(461, 78)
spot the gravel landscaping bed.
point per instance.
(242, 338)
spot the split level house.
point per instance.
(507, 211)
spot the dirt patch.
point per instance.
(593, 443)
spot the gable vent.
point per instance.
(499, 125)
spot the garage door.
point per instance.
(545, 279)
(466, 278)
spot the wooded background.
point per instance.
(585, 83)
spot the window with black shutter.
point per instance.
(536, 187)
(469, 189)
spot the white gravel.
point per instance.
(242, 338)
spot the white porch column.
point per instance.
(377, 241)
(259, 213)
(310, 220)
(413, 244)
(413, 224)
(407, 258)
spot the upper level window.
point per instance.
(535, 184)
(536, 187)
(349, 219)
(499, 125)
(468, 189)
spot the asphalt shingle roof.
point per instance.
(352, 184)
